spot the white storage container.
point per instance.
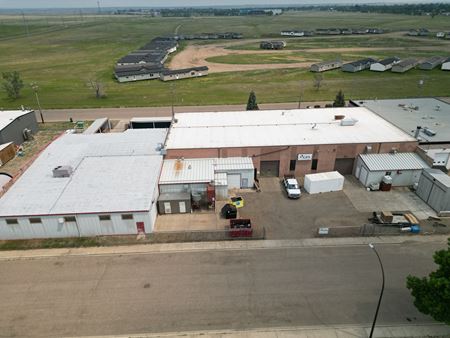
(324, 182)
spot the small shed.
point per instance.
(432, 62)
(434, 189)
(174, 203)
(7, 152)
(324, 182)
(404, 168)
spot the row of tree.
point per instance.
(339, 101)
(13, 85)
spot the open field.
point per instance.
(63, 53)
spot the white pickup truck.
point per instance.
(292, 187)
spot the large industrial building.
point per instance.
(17, 126)
(279, 142)
(87, 185)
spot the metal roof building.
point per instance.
(384, 65)
(404, 65)
(432, 62)
(286, 141)
(431, 114)
(404, 168)
(13, 124)
(86, 185)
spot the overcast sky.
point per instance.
(149, 3)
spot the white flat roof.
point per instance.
(115, 172)
(201, 170)
(8, 116)
(280, 128)
(331, 175)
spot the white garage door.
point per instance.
(234, 181)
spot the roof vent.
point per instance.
(348, 121)
(429, 131)
(62, 171)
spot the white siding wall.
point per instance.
(246, 175)
(86, 226)
(48, 228)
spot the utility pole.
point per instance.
(35, 88)
(25, 22)
(99, 11)
(172, 92)
(300, 95)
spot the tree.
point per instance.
(339, 101)
(98, 88)
(12, 83)
(318, 78)
(432, 294)
(251, 104)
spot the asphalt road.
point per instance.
(52, 115)
(160, 292)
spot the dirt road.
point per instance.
(195, 55)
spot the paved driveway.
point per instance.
(284, 218)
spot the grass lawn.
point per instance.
(47, 132)
(63, 61)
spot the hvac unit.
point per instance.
(348, 122)
(428, 131)
(62, 171)
(27, 134)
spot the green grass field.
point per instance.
(292, 57)
(63, 60)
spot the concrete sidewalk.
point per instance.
(335, 331)
(223, 245)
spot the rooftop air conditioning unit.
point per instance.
(429, 131)
(348, 122)
(62, 171)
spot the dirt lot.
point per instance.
(196, 55)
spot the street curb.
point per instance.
(217, 246)
(331, 331)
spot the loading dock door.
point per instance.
(344, 166)
(270, 168)
(234, 181)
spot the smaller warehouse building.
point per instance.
(139, 72)
(358, 66)
(432, 62)
(324, 66)
(206, 178)
(434, 189)
(17, 126)
(405, 65)
(383, 65)
(87, 185)
(404, 168)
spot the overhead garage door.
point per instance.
(344, 166)
(234, 181)
(270, 168)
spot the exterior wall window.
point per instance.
(11, 221)
(127, 216)
(104, 217)
(35, 220)
(314, 164)
(292, 164)
(70, 219)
